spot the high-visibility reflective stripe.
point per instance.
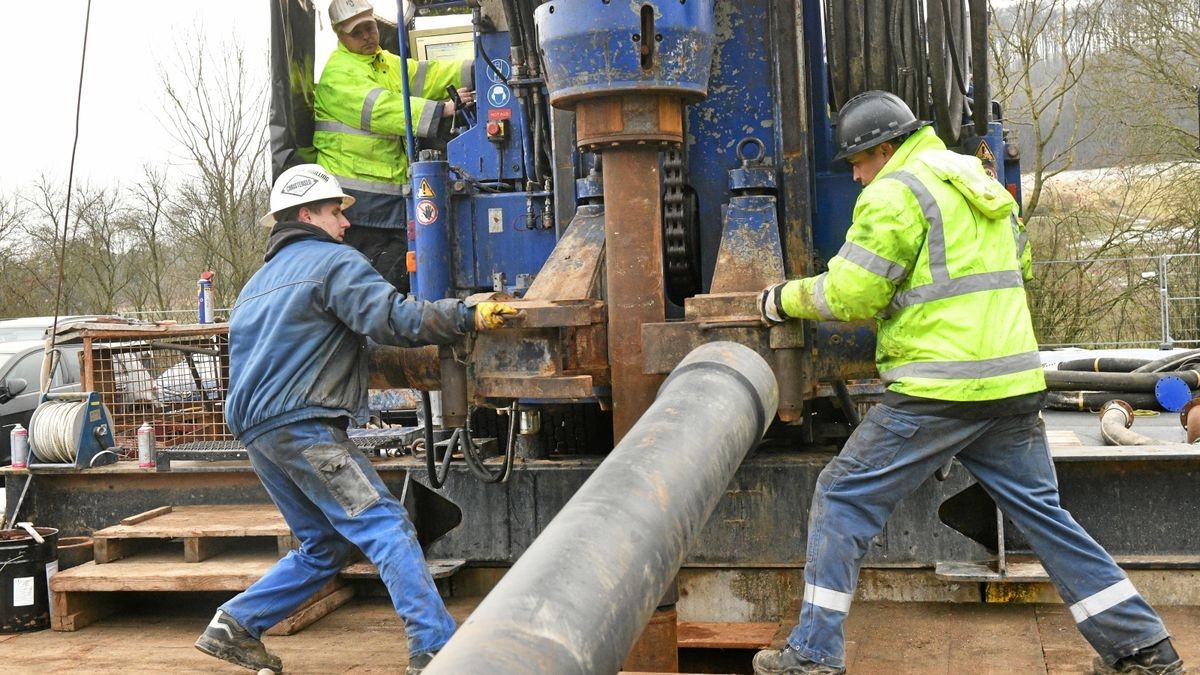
(427, 124)
(418, 80)
(965, 370)
(468, 74)
(338, 127)
(828, 598)
(819, 301)
(1104, 600)
(972, 283)
(370, 186)
(368, 107)
(1021, 237)
(936, 239)
(875, 264)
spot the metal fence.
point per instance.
(1144, 301)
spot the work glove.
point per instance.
(770, 305)
(491, 315)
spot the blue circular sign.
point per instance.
(498, 95)
(504, 68)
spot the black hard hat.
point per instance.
(871, 118)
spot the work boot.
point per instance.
(789, 662)
(225, 638)
(417, 663)
(1159, 658)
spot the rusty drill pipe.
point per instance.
(626, 531)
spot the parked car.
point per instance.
(33, 327)
(20, 375)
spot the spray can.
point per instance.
(19, 444)
(145, 441)
(205, 298)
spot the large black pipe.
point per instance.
(1072, 380)
(577, 600)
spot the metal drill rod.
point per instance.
(580, 596)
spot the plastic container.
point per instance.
(25, 569)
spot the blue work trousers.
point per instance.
(332, 497)
(890, 455)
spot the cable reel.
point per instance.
(72, 429)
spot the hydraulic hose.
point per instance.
(1066, 380)
(437, 473)
(1083, 401)
(1169, 362)
(1104, 365)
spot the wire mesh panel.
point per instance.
(1183, 298)
(1099, 302)
(173, 377)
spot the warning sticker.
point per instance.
(984, 153)
(495, 221)
(427, 212)
(425, 189)
(22, 592)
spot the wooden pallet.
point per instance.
(224, 548)
(203, 530)
(89, 592)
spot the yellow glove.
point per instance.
(490, 315)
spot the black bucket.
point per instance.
(25, 566)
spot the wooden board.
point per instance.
(241, 520)
(161, 571)
(333, 595)
(712, 635)
(1061, 437)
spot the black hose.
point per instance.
(1169, 362)
(1066, 380)
(437, 474)
(982, 108)
(1104, 365)
(1084, 401)
(471, 453)
(849, 409)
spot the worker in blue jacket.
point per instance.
(297, 377)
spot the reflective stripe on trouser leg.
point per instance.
(1013, 463)
(1104, 600)
(828, 598)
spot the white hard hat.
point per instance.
(343, 10)
(301, 185)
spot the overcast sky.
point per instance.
(128, 42)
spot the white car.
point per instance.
(34, 327)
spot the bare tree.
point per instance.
(1041, 51)
(44, 261)
(97, 253)
(217, 113)
(154, 264)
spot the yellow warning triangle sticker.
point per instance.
(984, 153)
(424, 190)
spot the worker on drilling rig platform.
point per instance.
(936, 252)
(360, 127)
(297, 378)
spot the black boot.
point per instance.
(226, 639)
(789, 662)
(1159, 658)
(417, 663)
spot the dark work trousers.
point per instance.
(386, 249)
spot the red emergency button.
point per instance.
(497, 130)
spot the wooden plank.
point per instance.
(239, 520)
(198, 549)
(70, 611)
(160, 571)
(312, 611)
(285, 543)
(717, 635)
(146, 515)
(1061, 437)
(105, 550)
(438, 569)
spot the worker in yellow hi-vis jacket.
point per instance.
(360, 128)
(937, 254)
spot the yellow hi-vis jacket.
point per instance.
(359, 130)
(935, 252)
